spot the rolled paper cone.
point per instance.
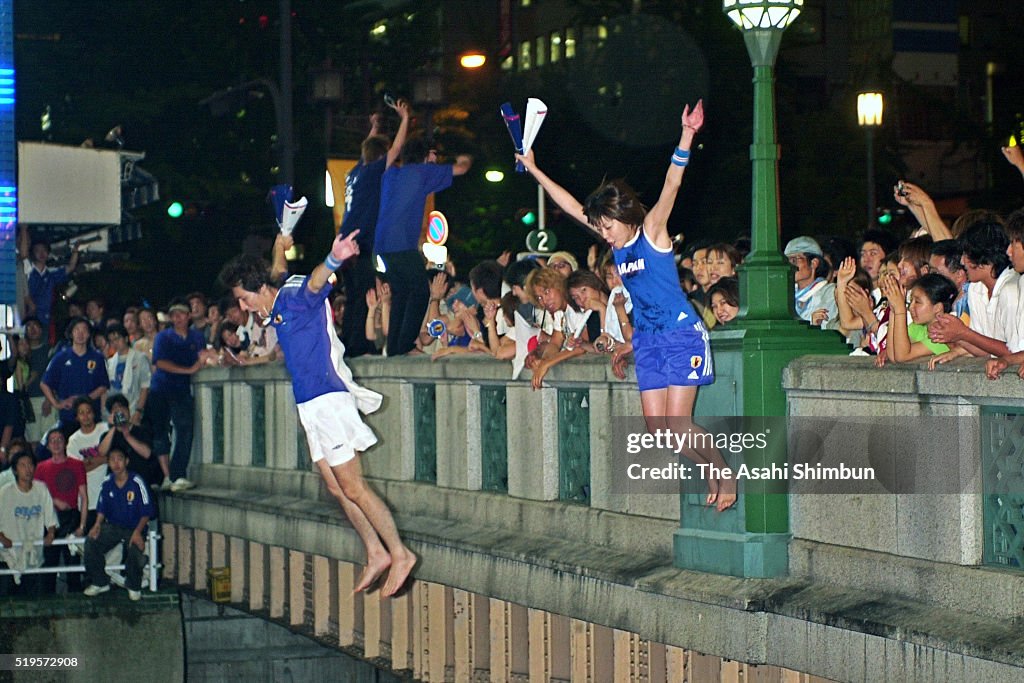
(291, 214)
(515, 130)
(535, 113)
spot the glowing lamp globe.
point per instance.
(752, 15)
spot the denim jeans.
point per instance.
(165, 408)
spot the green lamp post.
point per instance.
(752, 539)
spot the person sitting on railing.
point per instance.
(26, 516)
(65, 479)
(122, 516)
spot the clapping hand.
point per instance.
(894, 293)
(847, 269)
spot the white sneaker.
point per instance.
(94, 590)
(182, 484)
(134, 596)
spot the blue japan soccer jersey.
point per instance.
(650, 276)
(312, 350)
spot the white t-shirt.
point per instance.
(24, 517)
(995, 316)
(82, 446)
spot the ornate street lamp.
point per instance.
(751, 353)
(869, 116)
(767, 275)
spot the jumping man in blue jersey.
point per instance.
(328, 400)
(670, 343)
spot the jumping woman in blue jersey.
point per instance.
(670, 342)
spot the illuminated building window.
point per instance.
(542, 51)
(570, 43)
(556, 46)
(524, 56)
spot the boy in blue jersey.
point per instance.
(78, 370)
(670, 342)
(327, 399)
(122, 514)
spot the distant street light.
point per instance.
(869, 116)
(472, 60)
(494, 176)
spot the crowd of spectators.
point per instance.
(95, 393)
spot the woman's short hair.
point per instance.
(614, 200)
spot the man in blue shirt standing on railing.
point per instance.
(178, 353)
(122, 514)
(328, 400)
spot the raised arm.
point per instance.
(656, 222)
(923, 207)
(402, 107)
(279, 261)
(1015, 156)
(559, 195)
(343, 248)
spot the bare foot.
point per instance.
(375, 566)
(401, 566)
(726, 497)
(712, 492)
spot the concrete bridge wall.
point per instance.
(880, 587)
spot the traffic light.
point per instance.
(175, 210)
(527, 217)
(885, 217)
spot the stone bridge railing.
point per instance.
(532, 567)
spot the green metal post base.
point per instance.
(751, 539)
(732, 554)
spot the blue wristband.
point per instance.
(680, 157)
(332, 263)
